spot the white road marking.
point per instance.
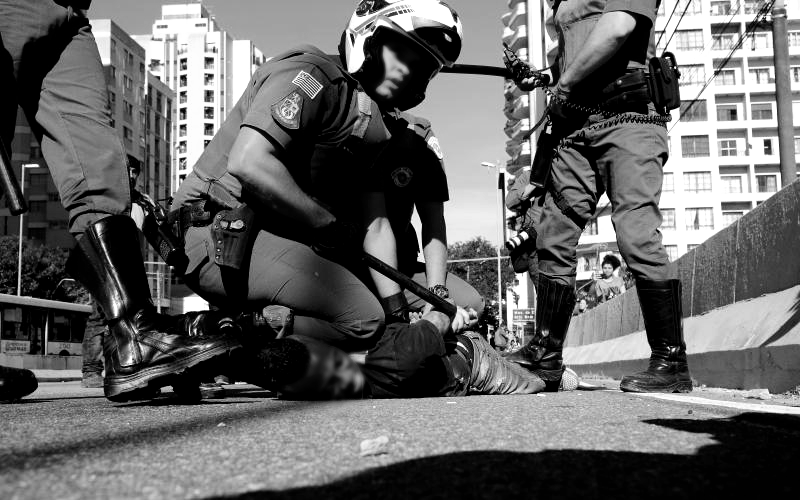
(776, 409)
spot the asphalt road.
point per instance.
(65, 442)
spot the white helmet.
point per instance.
(432, 24)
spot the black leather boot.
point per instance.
(16, 383)
(542, 355)
(143, 352)
(668, 371)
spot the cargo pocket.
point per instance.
(196, 248)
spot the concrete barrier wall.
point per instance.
(758, 256)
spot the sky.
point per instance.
(466, 111)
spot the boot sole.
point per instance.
(123, 388)
(681, 387)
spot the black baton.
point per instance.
(478, 69)
(9, 185)
(415, 288)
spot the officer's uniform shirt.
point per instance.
(410, 170)
(575, 20)
(328, 131)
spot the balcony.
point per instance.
(518, 108)
(519, 16)
(516, 39)
(516, 130)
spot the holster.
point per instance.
(663, 82)
(543, 159)
(234, 232)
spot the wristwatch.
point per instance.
(441, 291)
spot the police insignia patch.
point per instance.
(402, 176)
(433, 143)
(287, 110)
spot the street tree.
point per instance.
(43, 268)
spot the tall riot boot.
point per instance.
(141, 352)
(662, 312)
(16, 383)
(542, 355)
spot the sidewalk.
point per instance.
(57, 375)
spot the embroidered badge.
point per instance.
(433, 143)
(308, 83)
(287, 110)
(402, 176)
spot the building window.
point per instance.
(127, 134)
(726, 77)
(728, 147)
(206, 143)
(184, 64)
(768, 147)
(794, 39)
(182, 80)
(727, 112)
(36, 152)
(729, 218)
(668, 184)
(689, 39)
(761, 111)
(672, 252)
(720, 8)
(723, 41)
(797, 145)
(39, 180)
(53, 197)
(667, 218)
(767, 183)
(209, 97)
(209, 63)
(182, 114)
(697, 182)
(208, 79)
(694, 146)
(182, 130)
(795, 72)
(694, 111)
(182, 97)
(692, 74)
(762, 76)
(37, 233)
(761, 40)
(182, 165)
(208, 113)
(208, 129)
(698, 219)
(37, 206)
(127, 83)
(731, 184)
(182, 147)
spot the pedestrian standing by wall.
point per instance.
(609, 283)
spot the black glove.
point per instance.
(338, 239)
(395, 307)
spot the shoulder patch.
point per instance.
(433, 143)
(308, 83)
(287, 110)
(402, 176)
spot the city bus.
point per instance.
(38, 326)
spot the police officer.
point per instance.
(270, 212)
(411, 175)
(52, 70)
(604, 48)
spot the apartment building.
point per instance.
(724, 150)
(206, 67)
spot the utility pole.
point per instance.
(783, 93)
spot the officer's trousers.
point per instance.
(624, 160)
(329, 302)
(50, 66)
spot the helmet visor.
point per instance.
(443, 42)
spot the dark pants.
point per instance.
(50, 66)
(329, 302)
(93, 341)
(410, 361)
(625, 161)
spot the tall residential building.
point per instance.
(206, 67)
(724, 150)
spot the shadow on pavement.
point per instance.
(756, 455)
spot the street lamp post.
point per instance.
(21, 219)
(499, 175)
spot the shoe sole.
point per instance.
(681, 387)
(123, 388)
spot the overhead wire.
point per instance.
(677, 2)
(761, 13)
(683, 14)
